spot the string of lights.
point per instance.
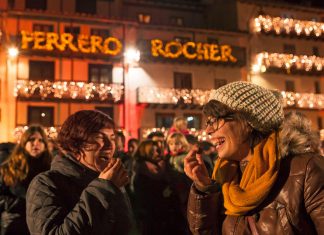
(264, 60)
(287, 26)
(68, 89)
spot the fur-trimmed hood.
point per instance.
(297, 137)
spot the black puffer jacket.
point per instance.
(71, 199)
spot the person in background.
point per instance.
(30, 157)
(180, 124)
(156, 204)
(192, 140)
(208, 153)
(53, 147)
(83, 192)
(159, 137)
(269, 175)
(6, 150)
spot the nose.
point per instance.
(107, 143)
(209, 129)
(36, 142)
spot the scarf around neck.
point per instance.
(245, 194)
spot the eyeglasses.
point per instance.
(218, 122)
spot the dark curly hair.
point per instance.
(78, 129)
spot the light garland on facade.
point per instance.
(265, 60)
(68, 89)
(287, 26)
(200, 97)
(200, 134)
(172, 96)
(305, 100)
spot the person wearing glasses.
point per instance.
(83, 192)
(269, 175)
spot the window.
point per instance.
(316, 51)
(319, 123)
(212, 40)
(317, 87)
(104, 33)
(43, 27)
(289, 49)
(86, 6)
(182, 39)
(164, 120)
(41, 115)
(41, 70)
(182, 80)
(144, 18)
(75, 31)
(290, 86)
(178, 21)
(36, 4)
(219, 83)
(194, 121)
(11, 4)
(100, 73)
(107, 110)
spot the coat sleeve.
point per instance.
(203, 213)
(46, 213)
(314, 192)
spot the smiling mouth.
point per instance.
(219, 142)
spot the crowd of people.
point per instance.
(262, 172)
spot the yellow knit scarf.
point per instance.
(258, 178)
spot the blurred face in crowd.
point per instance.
(160, 141)
(100, 150)
(156, 153)
(229, 137)
(35, 145)
(175, 146)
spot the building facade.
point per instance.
(72, 55)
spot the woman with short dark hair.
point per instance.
(269, 175)
(83, 193)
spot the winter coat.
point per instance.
(71, 199)
(13, 201)
(295, 204)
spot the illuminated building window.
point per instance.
(104, 33)
(316, 51)
(107, 110)
(290, 86)
(43, 27)
(42, 115)
(41, 70)
(219, 83)
(178, 21)
(317, 87)
(36, 4)
(11, 4)
(182, 80)
(144, 18)
(86, 6)
(289, 49)
(100, 73)
(194, 121)
(164, 120)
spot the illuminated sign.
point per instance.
(50, 41)
(192, 51)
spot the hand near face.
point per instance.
(195, 168)
(115, 172)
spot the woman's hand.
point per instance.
(195, 168)
(115, 172)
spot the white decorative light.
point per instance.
(13, 52)
(265, 60)
(132, 55)
(68, 89)
(172, 96)
(303, 100)
(288, 26)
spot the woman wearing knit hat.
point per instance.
(269, 176)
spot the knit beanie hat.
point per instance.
(261, 107)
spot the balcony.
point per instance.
(68, 91)
(167, 96)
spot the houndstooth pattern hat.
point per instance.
(262, 107)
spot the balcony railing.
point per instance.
(155, 95)
(83, 91)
